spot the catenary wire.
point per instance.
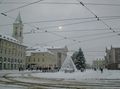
(67, 3)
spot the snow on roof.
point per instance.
(37, 50)
(9, 38)
(48, 47)
(6, 37)
(45, 47)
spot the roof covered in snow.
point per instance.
(9, 38)
(38, 49)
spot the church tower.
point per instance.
(18, 29)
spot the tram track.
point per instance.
(52, 83)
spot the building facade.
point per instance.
(47, 57)
(12, 53)
(98, 63)
(112, 58)
(12, 50)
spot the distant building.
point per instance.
(112, 58)
(99, 63)
(45, 57)
(12, 50)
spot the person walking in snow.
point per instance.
(101, 69)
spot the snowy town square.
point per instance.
(59, 44)
(89, 79)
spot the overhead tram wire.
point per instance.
(66, 19)
(66, 3)
(28, 4)
(13, 19)
(97, 17)
(102, 4)
(96, 38)
(53, 41)
(97, 34)
(70, 3)
(48, 32)
(78, 42)
(95, 29)
(62, 36)
(74, 19)
(102, 37)
(12, 2)
(69, 24)
(71, 30)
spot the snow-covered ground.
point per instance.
(89, 77)
(88, 74)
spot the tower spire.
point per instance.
(18, 29)
(18, 19)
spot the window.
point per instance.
(15, 32)
(43, 60)
(28, 59)
(5, 51)
(38, 60)
(8, 59)
(15, 60)
(59, 55)
(4, 65)
(1, 59)
(34, 60)
(0, 50)
(5, 59)
(8, 51)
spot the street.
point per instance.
(25, 81)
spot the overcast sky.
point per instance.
(91, 35)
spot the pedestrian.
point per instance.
(94, 69)
(101, 69)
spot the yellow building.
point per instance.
(45, 57)
(12, 53)
(12, 50)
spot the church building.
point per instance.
(12, 50)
